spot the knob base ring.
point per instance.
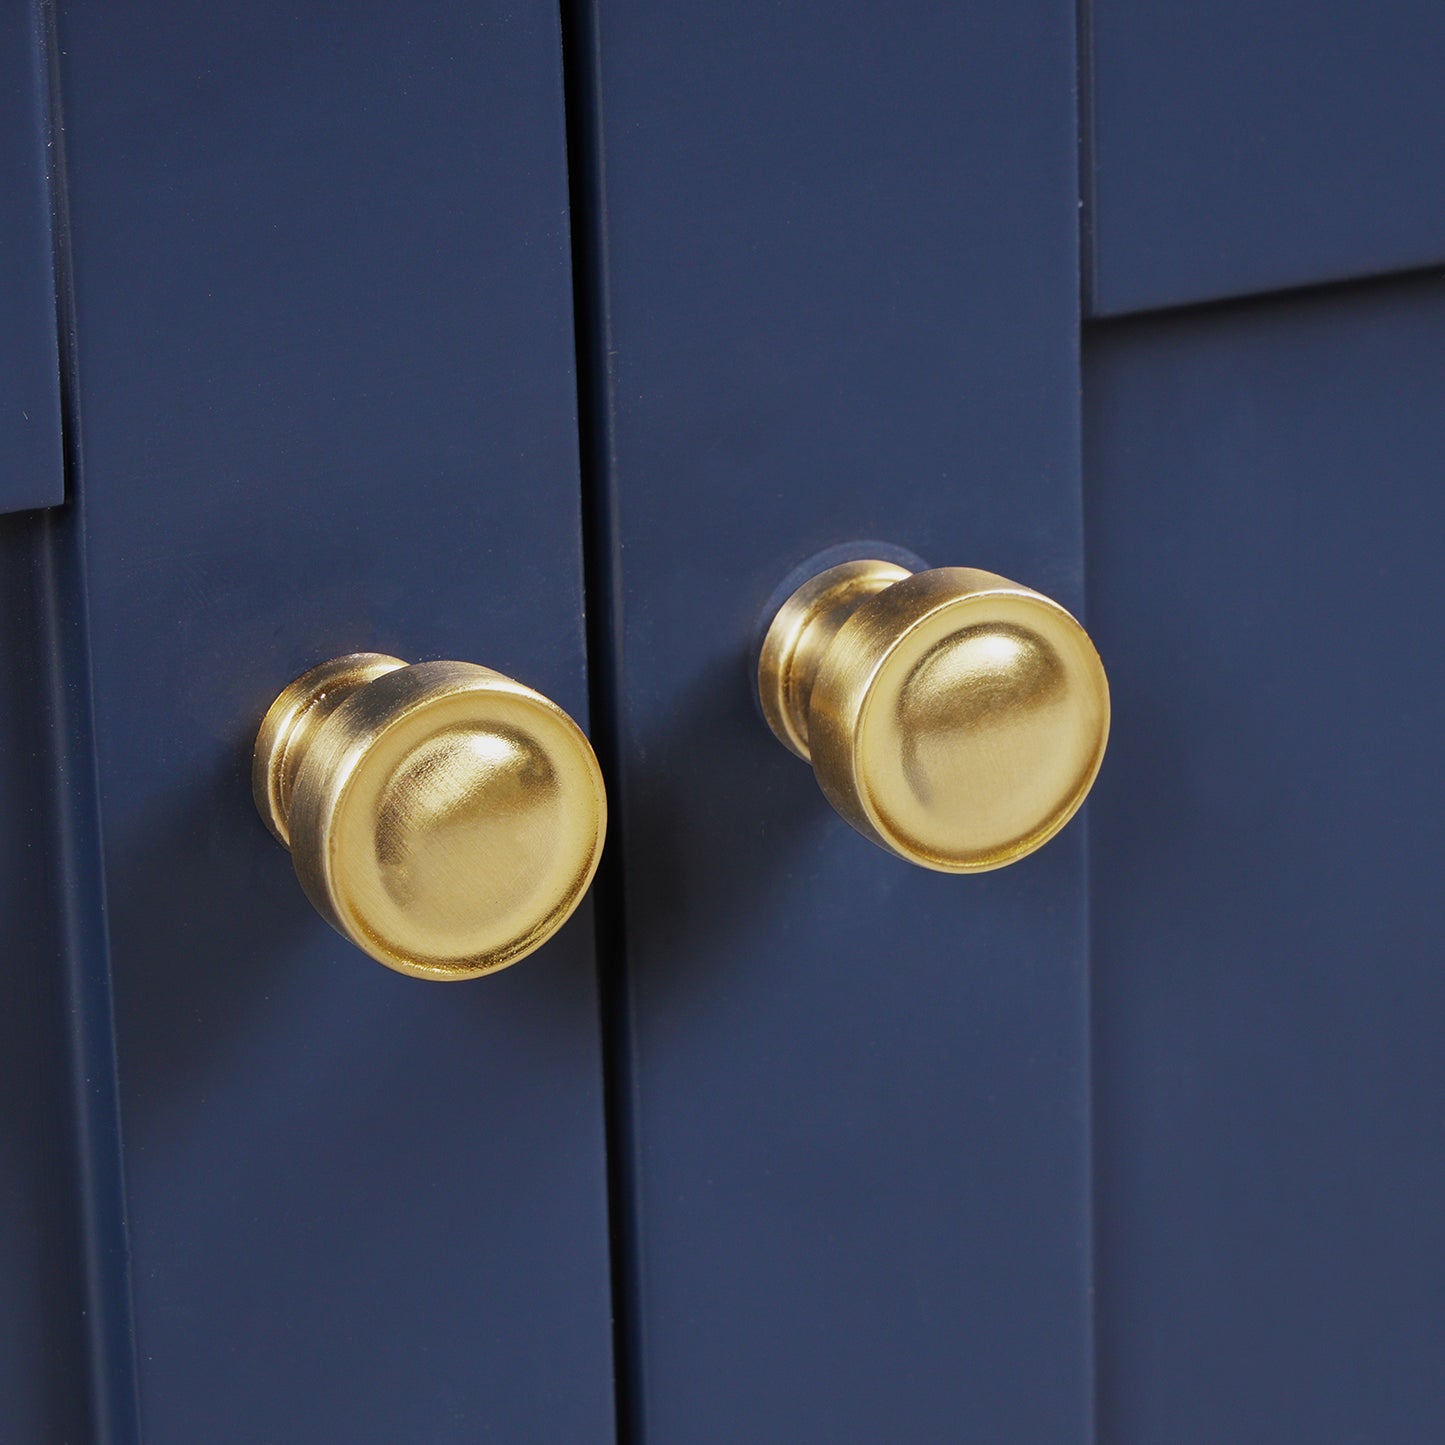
(800, 634)
(292, 721)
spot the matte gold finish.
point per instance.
(951, 716)
(444, 818)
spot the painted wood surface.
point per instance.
(325, 401)
(1265, 526)
(833, 297)
(1252, 145)
(31, 467)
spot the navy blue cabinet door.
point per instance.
(829, 290)
(315, 386)
(832, 297)
(321, 398)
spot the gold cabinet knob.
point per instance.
(951, 716)
(444, 818)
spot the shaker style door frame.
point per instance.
(828, 275)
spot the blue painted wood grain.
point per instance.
(833, 296)
(1249, 145)
(325, 401)
(1265, 528)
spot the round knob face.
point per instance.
(956, 718)
(446, 819)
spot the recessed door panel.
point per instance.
(1265, 526)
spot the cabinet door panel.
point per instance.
(835, 298)
(1250, 145)
(326, 402)
(1265, 530)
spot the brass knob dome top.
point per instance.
(953, 717)
(443, 817)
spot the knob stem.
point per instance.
(291, 723)
(799, 636)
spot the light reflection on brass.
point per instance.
(951, 716)
(443, 817)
